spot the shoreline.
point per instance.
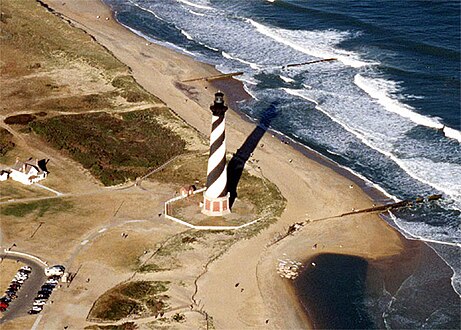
(196, 115)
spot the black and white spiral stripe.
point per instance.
(216, 174)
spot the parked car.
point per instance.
(20, 277)
(33, 311)
(39, 302)
(26, 269)
(4, 304)
(52, 281)
(54, 277)
(11, 294)
(37, 308)
(5, 299)
(15, 285)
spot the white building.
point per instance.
(30, 171)
(4, 175)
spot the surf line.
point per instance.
(419, 238)
(307, 63)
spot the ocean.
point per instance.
(387, 109)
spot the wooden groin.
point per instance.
(310, 62)
(219, 76)
(397, 205)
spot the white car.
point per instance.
(26, 268)
(52, 282)
(40, 302)
(20, 276)
(57, 270)
(37, 308)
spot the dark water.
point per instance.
(334, 292)
(402, 292)
(388, 109)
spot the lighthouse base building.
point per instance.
(216, 206)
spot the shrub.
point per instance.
(23, 119)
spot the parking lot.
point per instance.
(25, 294)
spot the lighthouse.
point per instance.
(216, 196)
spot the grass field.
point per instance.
(6, 142)
(140, 297)
(40, 208)
(113, 148)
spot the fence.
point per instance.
(184, 223)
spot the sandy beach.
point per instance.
(242, 289)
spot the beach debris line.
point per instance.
(309, 62)
(290, 231)
(219, 76)
(287, 268)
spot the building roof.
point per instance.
(25, 167)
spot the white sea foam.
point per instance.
(363, 178)
(196, 5)
(187, 35)
(162, 43)
(195, 13)
(250, 92)
(445, 177)
(147, 10)
(248, 80)
(320, 44)
(286, 79)
(452, 133)
(381, 89)
(251, 64)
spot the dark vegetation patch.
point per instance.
(151, 268)
(22, 119)
(6, 141)
(123, 326)
(76, 103)
(113, 148)
(140, 297)
(141, 289)
(42, 207)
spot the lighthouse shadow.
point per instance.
(239, 159)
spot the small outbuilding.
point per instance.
(186, 191)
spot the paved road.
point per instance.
(23, 303)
